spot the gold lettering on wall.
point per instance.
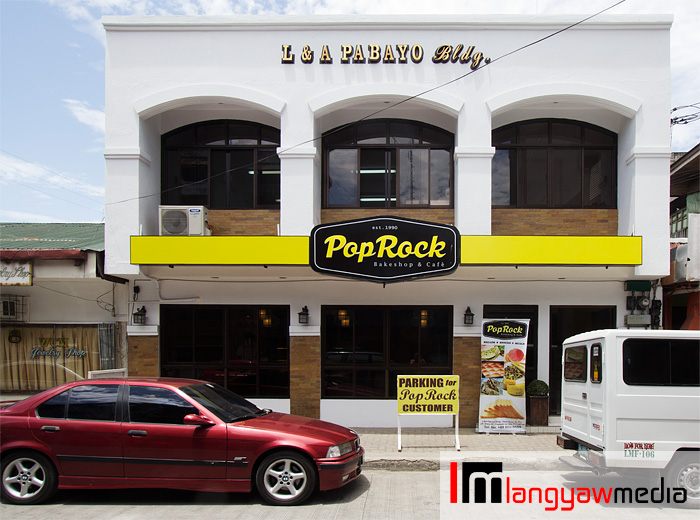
(287, 56)
(325, 55)
(398, 53)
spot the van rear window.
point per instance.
(575, 361)
(661, 362)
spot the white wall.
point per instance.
(613, 71)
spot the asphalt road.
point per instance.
(375, 495)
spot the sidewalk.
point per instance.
(422, 448)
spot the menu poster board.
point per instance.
(502, 390)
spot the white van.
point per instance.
(631, 400)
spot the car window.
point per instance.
(93, 402)
(660, 362)
(156, 405)
(226, 405)
(575, 364)
(54, 408)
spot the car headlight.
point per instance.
(340, 450)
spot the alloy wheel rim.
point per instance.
(285, 479)
(23, 478)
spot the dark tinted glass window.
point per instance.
(54, 408)
(243, 348)
(222, 165)
(93, 402)
(566, 178)
(560, 164)
(387, 164)
(157, 406)
(364, 348)
(503, 176)
(661, 362)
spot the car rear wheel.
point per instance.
(684, 472)
(285, 478)
(27, 478)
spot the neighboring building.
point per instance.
(550, 163)
(61, 316)
(682, 287)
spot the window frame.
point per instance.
(388, 368)
(262, 151)
(518, 173)
(673, 366)
(131, 400)
(353, 141)
(580, 363)
(224, 369)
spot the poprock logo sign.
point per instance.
(504, 329)
(384, 249)
(486, 483)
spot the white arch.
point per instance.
(582, 94)
(357, 94)
(188, 95)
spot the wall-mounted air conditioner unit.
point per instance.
(183, 220)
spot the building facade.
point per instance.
(62, 316)
(229, 140)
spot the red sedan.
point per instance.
(167, 433)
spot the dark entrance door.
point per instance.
(565, 321)
(522, 312)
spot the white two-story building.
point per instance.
(540, 143)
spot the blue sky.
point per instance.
(52, 83)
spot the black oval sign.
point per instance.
(384, 249)
(504, 329)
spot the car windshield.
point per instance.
(226, 405)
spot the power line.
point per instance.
(688, 118)
(59, 198)
(73, 181)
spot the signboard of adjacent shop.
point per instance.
(16, 273)
(428, 395)
(384, 249)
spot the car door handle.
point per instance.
(50, 428)
(137, 433)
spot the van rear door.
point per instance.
(596, 393)
(574, 406)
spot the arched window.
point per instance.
(554, 163)
(222, 165)
(388, 164)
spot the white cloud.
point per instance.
(15, 169)
(21, 216)
(685, 36)
(95, 119)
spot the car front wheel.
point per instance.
(27, 478)
(285, 478)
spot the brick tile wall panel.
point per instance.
(466, 363)
(439, 215)
(552, 222)
(257, 222)
(305, 376)
(143, 356)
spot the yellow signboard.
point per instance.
(428, 395)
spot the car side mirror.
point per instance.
(197, 420)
